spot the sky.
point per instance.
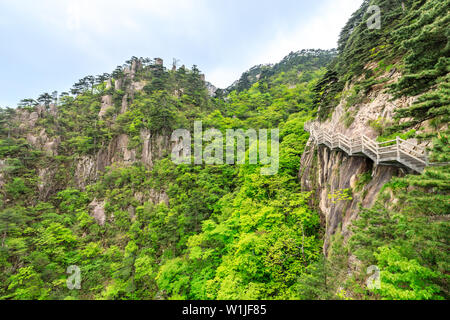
(48, 45)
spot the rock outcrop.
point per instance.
(118, 84)
(106, 104)
(46, 182)
(211, 89)
(27, 120)
(153, 196)
(124, 106)
(97, 211)
(118, 150)
(44, 142)
(153, 147)
(327, 172)
(88, 168)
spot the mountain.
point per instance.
(313, 58)
(386, 84)
(89, 193)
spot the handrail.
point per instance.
(411, 156)
(388, 147)
(405, 141)
(411, 151)
(390, 151)
(386, 142)
(414, 158)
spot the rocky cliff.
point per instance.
(328, 173)
(86, 169)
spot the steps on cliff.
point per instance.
(393, 152)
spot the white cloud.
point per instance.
(106, 30)
(73, 19)
(321, 31)
(99, 34)
(222, 77)
(103, 16)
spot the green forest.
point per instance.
(226, 232)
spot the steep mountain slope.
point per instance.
(87, 180)
(304, 58)
(387, 83)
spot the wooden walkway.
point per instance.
(396, 152)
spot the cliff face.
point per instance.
(408, 55)
(328, 172)
(87, 169)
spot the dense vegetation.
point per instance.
(405, 234)
(226, 232)
(295, 60)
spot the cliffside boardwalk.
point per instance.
(394, 152)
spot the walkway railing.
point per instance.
(391, 152)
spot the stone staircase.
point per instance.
(396, 152)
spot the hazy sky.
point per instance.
(48, 45)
